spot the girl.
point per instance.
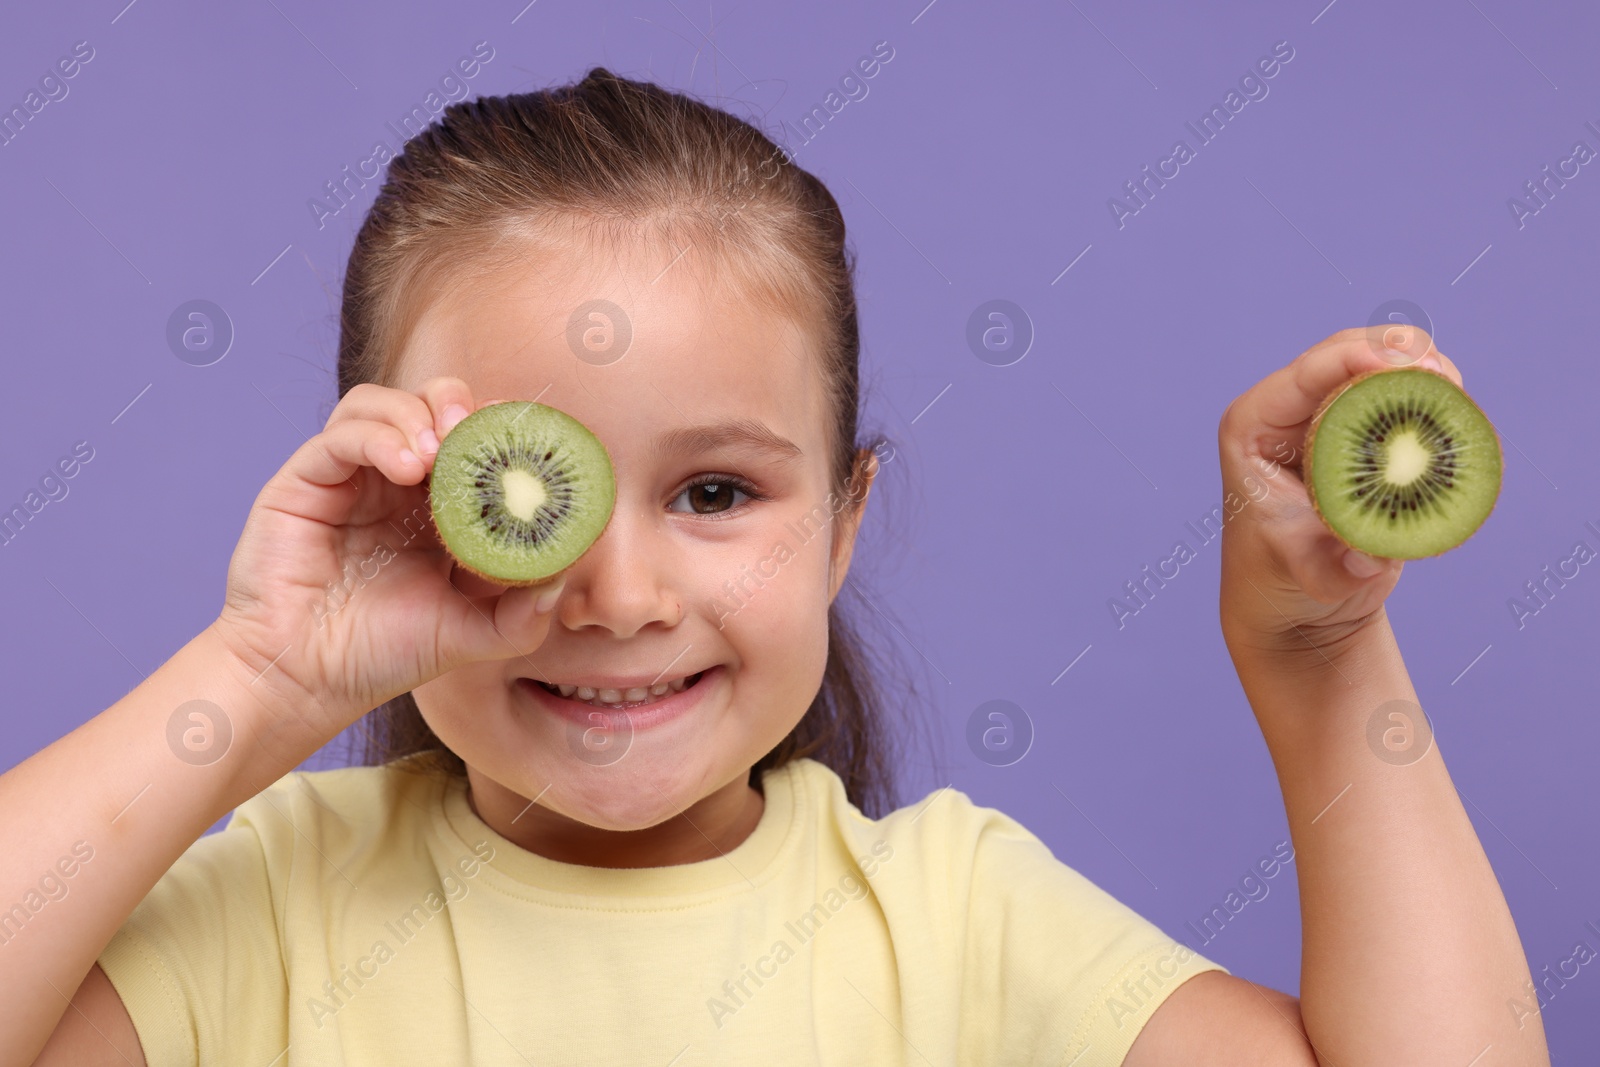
(621, 818)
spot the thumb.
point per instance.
(499, 625)
(1362, 565)
(523, 615)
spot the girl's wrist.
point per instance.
(1307, 650)
(1330, 683)
(270, 717)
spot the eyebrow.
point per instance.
(748, 433)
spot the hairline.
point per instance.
(440, 269)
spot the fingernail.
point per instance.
(1362, 565)
(429, 441)
(1397, 338)
(547, 599)
(1430, 361)
(452, 415)
(1398, 358)
(409, 458)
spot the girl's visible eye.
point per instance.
(713, 494)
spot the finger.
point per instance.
(1416, 348)
(331, 459)
(1289, 396)
(484, 590)
(1324, 567)
(449, 400)
(1448, 367)
(514, 622)
(523, 615)
(475, 586)
(1393, 335)
(1362, 565)
(406, 411)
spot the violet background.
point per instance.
(978, 167)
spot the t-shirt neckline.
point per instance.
(746, 865)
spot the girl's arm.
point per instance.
(1409, 951)
(115, 805)
(93, 822)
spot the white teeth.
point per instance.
(632, 695)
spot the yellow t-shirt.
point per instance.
(366, 915)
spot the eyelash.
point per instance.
(742, 485)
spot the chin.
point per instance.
(636, 792)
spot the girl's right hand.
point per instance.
(339, 591)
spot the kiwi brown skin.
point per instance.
(1327, 401)
(502, 581)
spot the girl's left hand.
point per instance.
(1288, 584)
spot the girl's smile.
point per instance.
(629, 709)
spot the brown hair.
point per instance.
(620, 157)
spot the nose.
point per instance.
(626, 581)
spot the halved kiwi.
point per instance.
(1401, 464)
(519, 491)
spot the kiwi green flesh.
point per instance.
(1404, 465)
(520, 490)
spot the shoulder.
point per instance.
(945, 813)
(342, 810)
(223, 925)
(967, 890)
(942, 838)
(946, 856)
(1065, 964)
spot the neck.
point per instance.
(712, 826)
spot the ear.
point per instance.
(848, 522)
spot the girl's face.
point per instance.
(732, 578)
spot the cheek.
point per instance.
(775, 618)
(778, 626)
(782, 652)
(453, 705)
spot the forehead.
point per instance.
(695, 346)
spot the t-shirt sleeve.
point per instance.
(199, 963)
(1057, 961)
